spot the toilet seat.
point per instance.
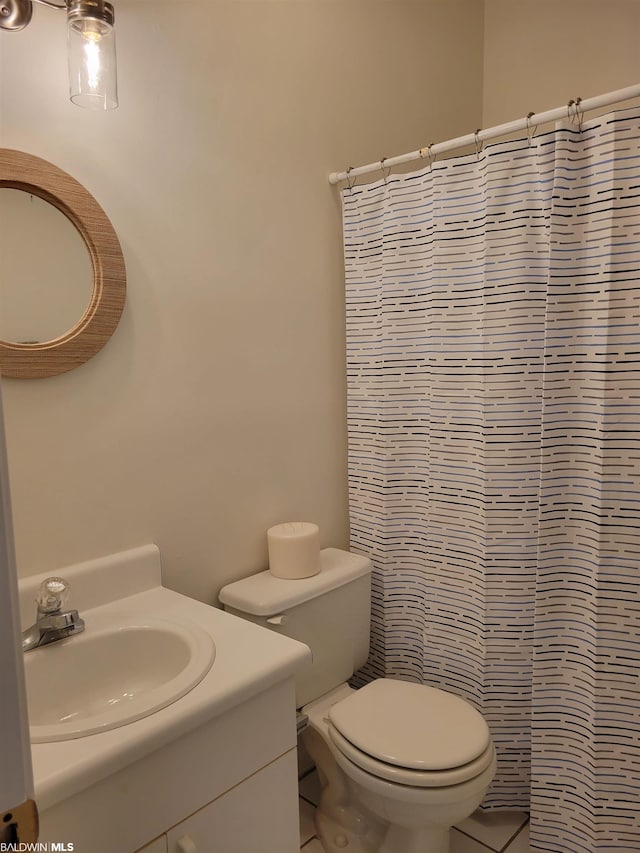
(411, 734)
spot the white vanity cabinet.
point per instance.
(213, 771)
(230, 786)
(254, 816)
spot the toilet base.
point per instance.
(401, 840)
(344, 825)
(341, 824)
(336, 837)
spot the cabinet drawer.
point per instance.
(260, 815)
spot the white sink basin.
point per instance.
(112, 675)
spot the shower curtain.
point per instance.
(493, 350)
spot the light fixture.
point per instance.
(91, 47)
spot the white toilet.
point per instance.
(400, 763)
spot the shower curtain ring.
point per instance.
(386, 174)
(478, 143)
(431, 156)
(350, 184)
(530, 133)
(569, 105)
(426, 151)
(579, 113)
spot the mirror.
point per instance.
(47, 274)
(63, 281)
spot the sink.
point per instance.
(112, 675)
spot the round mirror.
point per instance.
(63, 280)
(47, 274)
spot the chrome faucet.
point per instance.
(52, 622)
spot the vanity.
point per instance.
(212, 770)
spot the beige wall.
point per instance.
(218, 408)
(541, 53)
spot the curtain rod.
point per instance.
(573, 109)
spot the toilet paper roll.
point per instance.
(294, 549)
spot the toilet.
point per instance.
(400, 763)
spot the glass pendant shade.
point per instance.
(92, 54)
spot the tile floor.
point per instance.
(481, 833)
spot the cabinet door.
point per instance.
(258, 816)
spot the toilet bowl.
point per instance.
(421, 762)
(399, 763)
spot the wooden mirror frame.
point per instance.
(22, 171)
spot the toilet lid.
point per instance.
(347, 755)
(411, 725)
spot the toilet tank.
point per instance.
(330, 612)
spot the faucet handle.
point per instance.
(52, 595)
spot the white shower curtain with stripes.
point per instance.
(493, 349)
